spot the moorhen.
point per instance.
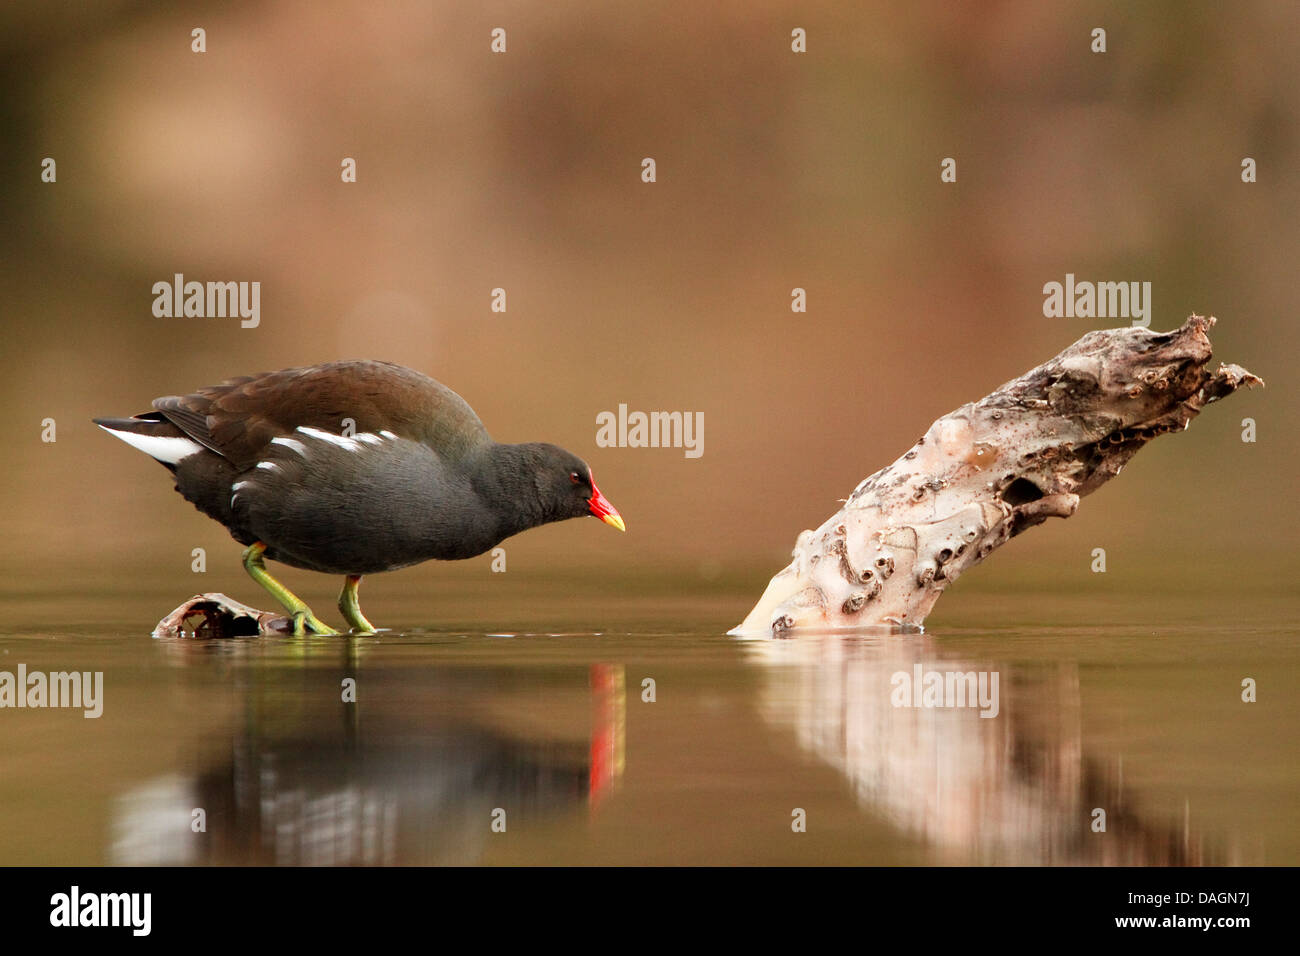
(353, 468)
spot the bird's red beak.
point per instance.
(603, 510)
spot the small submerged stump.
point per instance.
(984, 473)
(215, 615)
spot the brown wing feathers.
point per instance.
(238, 418)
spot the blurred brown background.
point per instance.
(775, 170)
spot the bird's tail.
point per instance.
(152, 434)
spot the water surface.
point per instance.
(545, 729)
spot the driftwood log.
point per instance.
(215, 615)
(987, 471)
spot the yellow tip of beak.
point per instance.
(614, 521)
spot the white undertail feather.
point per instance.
(168, 449)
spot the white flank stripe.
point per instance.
(268, 465)
(389, 435)
(235, 488)
(369, 438)
(158, 447)
(297, 446)
(351, 444)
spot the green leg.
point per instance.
(303, 619)
(350, 605)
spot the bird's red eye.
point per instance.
(575, 477)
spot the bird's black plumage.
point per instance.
(356, 467)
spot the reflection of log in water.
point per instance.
(1016, 788)
(309, 782)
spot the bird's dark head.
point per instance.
(534, 483)
(565, 480)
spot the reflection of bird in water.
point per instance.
(426, 800)
(1016, 788)
(394, 787)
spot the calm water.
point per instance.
(454, 724)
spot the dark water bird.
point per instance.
(354, 468)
